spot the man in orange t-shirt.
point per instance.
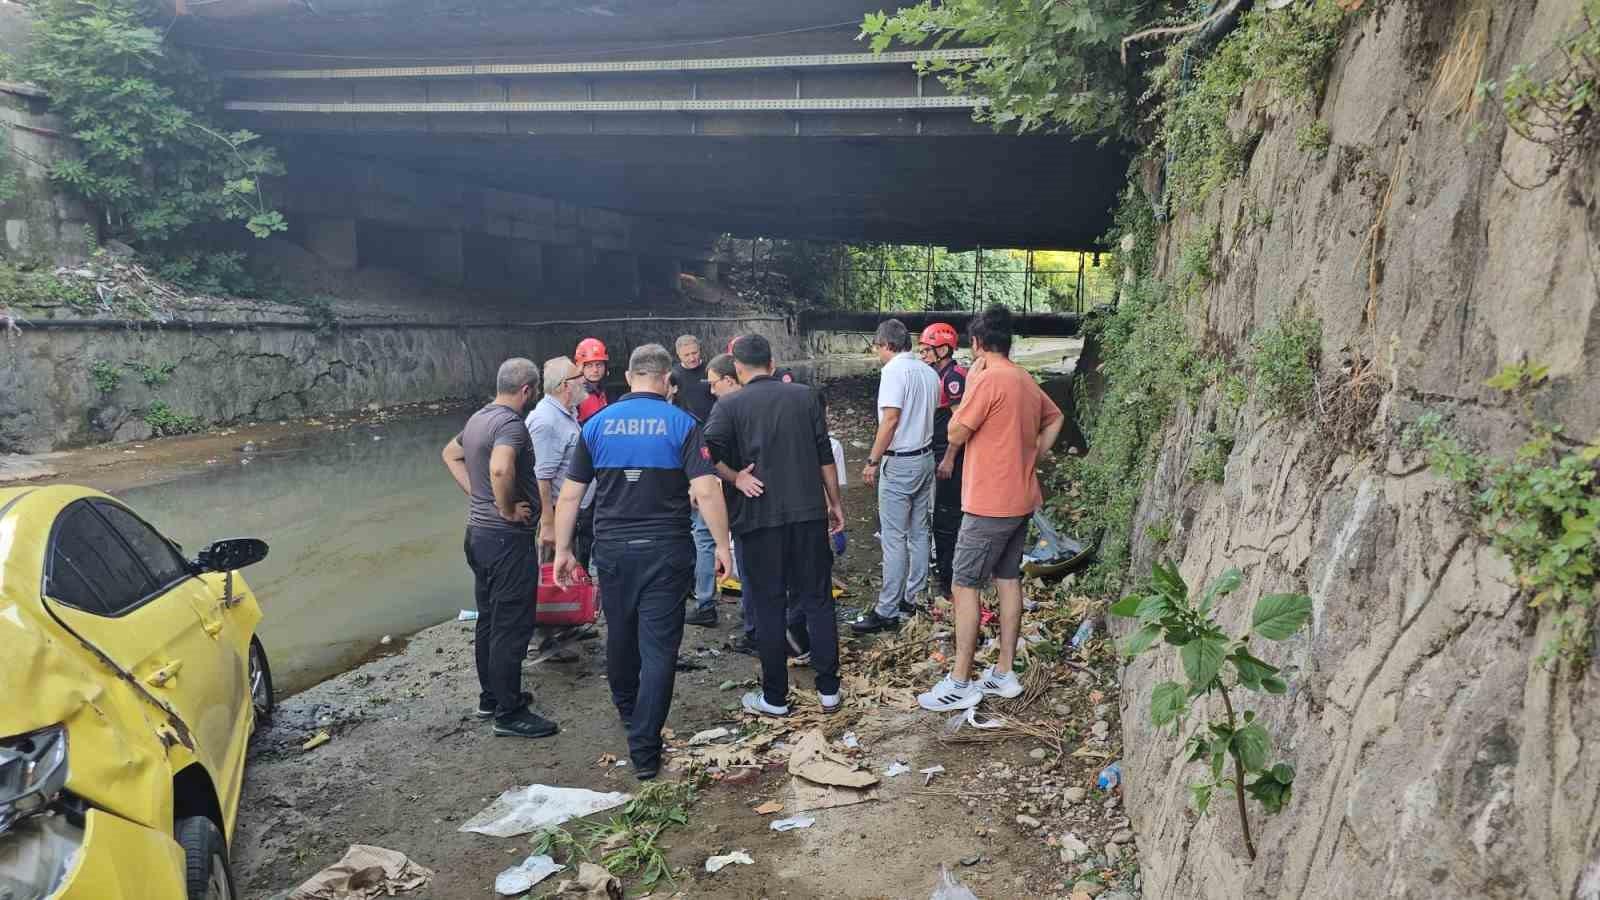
(1006, 423)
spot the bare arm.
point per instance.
(455, 459)
(547, 511)
(566, 514)
(959, 434)
(503, 478)
(1048, 435)
(707, 494)
(830, 487)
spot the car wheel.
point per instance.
(205, 858)
(261, 696)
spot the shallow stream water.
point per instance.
(365, 529)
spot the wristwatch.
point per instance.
(872, 462)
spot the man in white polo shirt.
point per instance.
(901, 463)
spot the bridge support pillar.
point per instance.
(333, 240)
(444, 256)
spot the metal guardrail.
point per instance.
(839, 104)
(806, 61)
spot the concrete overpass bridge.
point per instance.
(606, 141)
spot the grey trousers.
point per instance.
(905, 516)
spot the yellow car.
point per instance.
(130, 681)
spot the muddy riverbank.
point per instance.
(407, 762)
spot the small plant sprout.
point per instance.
(1166, 611)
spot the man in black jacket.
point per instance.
(695, 398)
(782, 533)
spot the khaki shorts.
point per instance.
(988, 547)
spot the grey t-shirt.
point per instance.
(493, 426)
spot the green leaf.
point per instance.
(1140, 640)
(1283, 773)
(1169, 582)
(1278, 616)
(1153, 607)
(1251, 744)
(1272, 684)
(1168, 701)
(1273, 795)
(1201, 794)
(1127, 607)
(1202, 658)
(1251, 670)
(1226, 583)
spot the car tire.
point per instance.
(261, 695)
(207, 873)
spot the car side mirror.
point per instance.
(233, 553)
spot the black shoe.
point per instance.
(524, 724)
(485, 710)
(908, 609)
(743, 644)
(705, 618)
(869, 622)
(646, 771)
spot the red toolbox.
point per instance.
(555, 605)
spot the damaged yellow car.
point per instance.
(132, 680)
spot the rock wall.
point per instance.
(1434, 757)
(225, 372)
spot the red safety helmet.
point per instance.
(591, 350)
(939, 335)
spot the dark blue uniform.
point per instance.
(641, 452)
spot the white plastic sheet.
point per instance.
(524, 809)
(521, 878)
(718, 863)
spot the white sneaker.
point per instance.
(946, 695)
(756, 704)
(830, 702)
(1006, 686)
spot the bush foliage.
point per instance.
(153, 157)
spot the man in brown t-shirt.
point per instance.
(492, 460)
(1005, 423)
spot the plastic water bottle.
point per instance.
(1083, 634)
(1110, 777)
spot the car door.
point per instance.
(116, 583)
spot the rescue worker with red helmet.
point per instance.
(591, 357)
(937, 347)
(592, 360)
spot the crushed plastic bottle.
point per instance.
(1083, 634)
(1110, 777)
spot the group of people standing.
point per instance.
(702, 464)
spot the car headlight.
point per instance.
(33, 770)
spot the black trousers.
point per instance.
(946, 524)
(784, 566)
(505, 574)
(642, 585)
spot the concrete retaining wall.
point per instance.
(234, 372)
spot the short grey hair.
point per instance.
(892, 333)
(685, 340)
(650, 359)
(515, 374)
(556, 373)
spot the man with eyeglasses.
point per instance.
(553, 426)
(695, 397)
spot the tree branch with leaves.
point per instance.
(151, 155)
